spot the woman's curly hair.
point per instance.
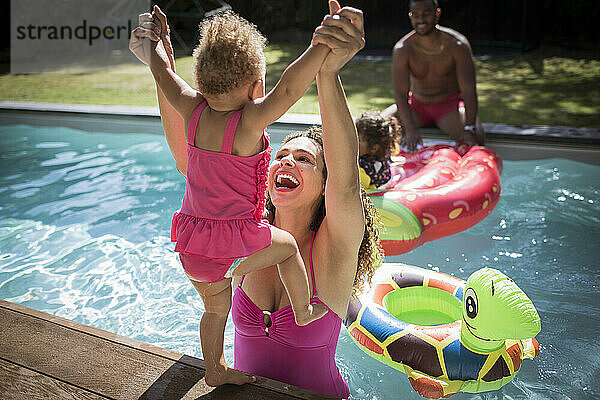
(228, 55)
(378, 130)
(370, 254)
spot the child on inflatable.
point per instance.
(378, 138)
(219, 230)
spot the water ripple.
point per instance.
(136, 290)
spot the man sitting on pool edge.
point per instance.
(433, 73)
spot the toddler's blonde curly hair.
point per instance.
(229, 54)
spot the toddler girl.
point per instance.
(219, 230)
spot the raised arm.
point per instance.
(465, 73)
(178, 93)
(344, 219)
(173, 123)
(401, 83)
(293, 84)
(174, 127)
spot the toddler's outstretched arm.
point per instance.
(292, 85)
(172, 122)
(179, 94)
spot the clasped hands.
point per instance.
(152, 30)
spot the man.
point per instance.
(433, 74)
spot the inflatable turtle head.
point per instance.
(495, 309)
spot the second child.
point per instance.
(378, 138)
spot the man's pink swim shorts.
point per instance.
(434, 112)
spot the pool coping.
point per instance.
(131, 111)
(548, 132)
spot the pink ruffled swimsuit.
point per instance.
(303, 356)
(220, 217)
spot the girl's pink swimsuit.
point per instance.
(220, 216)
(303, 356)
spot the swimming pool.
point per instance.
(84, 234)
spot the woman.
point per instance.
(315, 195)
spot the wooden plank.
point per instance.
(21, 383)
(112, 365)
(84, 360)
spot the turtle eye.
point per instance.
(471, 303)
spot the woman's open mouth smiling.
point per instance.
(286, 181)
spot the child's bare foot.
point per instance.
(312, 313)
(228, 375)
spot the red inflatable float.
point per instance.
(438, 191)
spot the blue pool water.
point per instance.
(84, 234)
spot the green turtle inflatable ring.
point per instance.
(446, 334)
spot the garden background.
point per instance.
(538, 61)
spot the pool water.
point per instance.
(84, 234)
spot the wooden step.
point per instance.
(47, 357)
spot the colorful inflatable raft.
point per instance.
(435, 193)
(446, 334)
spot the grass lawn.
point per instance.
(530, 89)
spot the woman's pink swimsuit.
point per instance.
(220, 217)
(303, 356)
